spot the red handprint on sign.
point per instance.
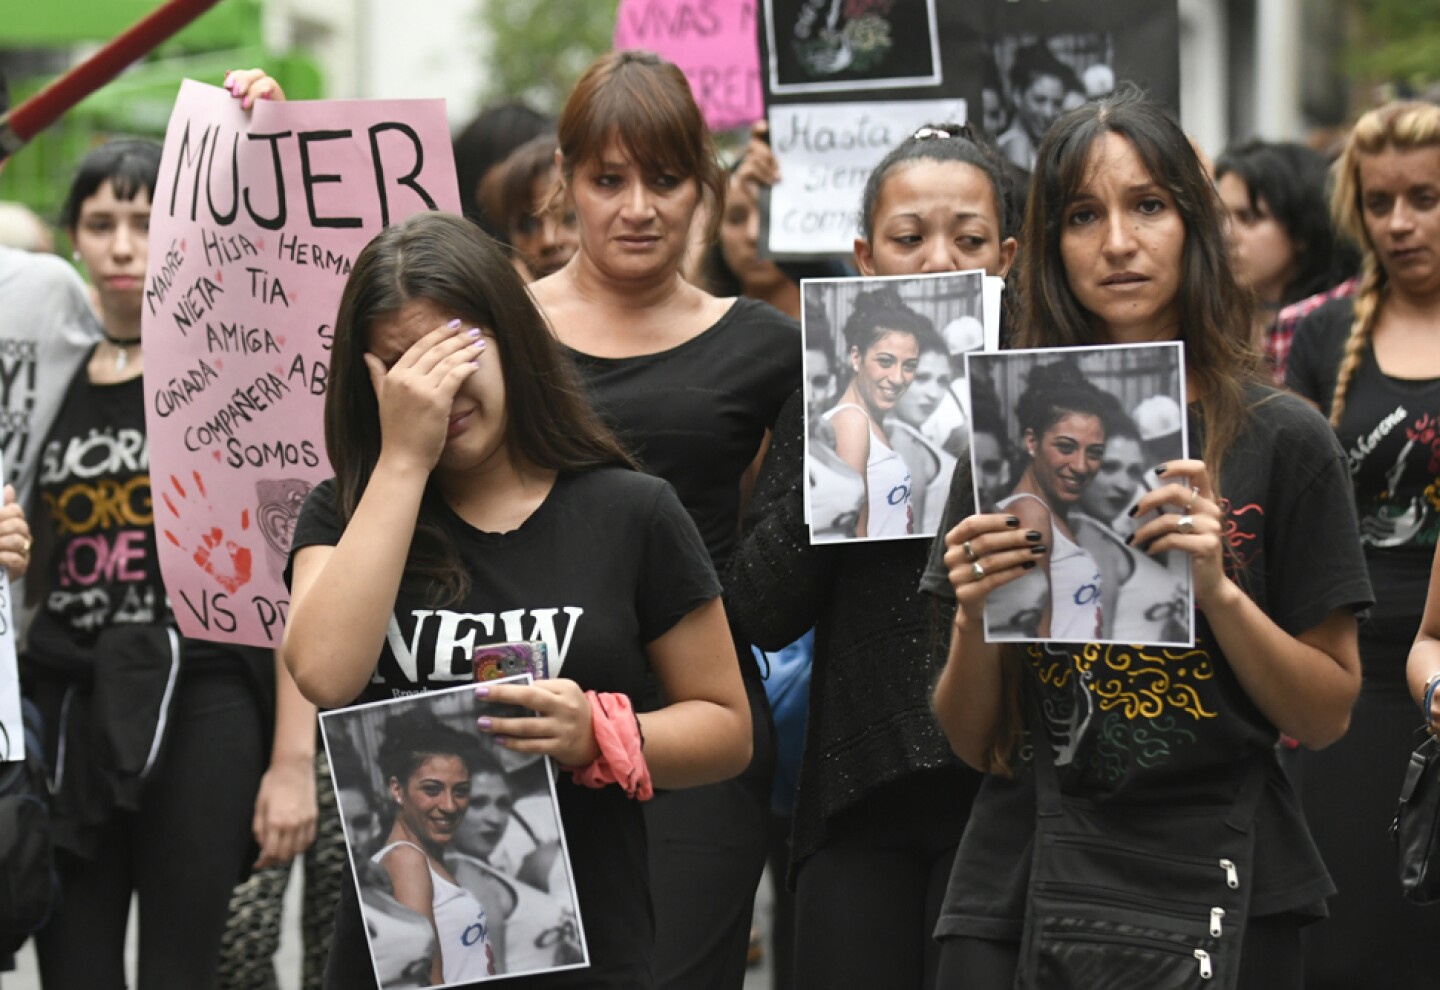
(223, 559)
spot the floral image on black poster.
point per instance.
(818, 46)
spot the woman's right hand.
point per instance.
(249, 85)
(985, 552)
(416, 394)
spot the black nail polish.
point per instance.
(1130, 539)
(1133, 509)
(1027, 565)
(1012, 522)
(1037, 549)
(1160, 468)
(1033, 536)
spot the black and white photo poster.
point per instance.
(817, 46)
(886, 417)
(430, 803)
(12, 726)
(1067, 441)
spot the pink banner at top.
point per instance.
(257, 219)
(714, 44)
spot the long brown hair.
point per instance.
(1214, 310)
(1404, 125)
(644, 103)
(454, 265)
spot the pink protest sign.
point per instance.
(257, 219)
(714, 44)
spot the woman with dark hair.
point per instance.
(483, 144)
(544, 239)
(1062, 425)
(426, 766)
(1038, 84)
(882, 338)
(881, 799)
(1370, 364)
(159, 742)
(931, 465)
(477, 498)
(692, 383)
(1125, 244)
(1282, 245)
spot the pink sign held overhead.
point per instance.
(714, 44)
(257, 219)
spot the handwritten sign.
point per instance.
(827, 151)
(257, 219)
(12, 724)
(714, 44)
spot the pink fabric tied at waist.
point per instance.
(621, 760)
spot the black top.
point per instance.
(1390, 432)
(695, 414)
(1139, 724)
(876, 643)
(608, 563)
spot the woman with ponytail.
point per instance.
(1372, 365)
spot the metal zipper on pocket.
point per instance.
(1203, 958)
(1232, 875)
(1216, 914)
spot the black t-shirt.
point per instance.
(1390, 431)
(1145, 725)
(607, 564)
(96, 564)
(695, 414)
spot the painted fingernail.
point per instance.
(455, 323)
(483, 691)
(484, 724)
(245, 103)
(1037, 549)
(1133, 509)
(473, 332)
(501, 740)
(1027, 565)
(1012, 521)
(1160, 468)
(1130, 540)
(478, 344)
(1033, 536)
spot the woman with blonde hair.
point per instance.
(1372, 365)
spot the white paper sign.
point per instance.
(826, 153)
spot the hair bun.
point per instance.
(1057, 374)
(883, 299)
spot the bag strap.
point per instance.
(1048, 795)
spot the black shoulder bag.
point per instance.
(1115, 902)
(1416, 828)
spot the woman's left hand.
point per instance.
(561, 727)
(249, 85)
(285, 811)
(1190, 521)
(14, 536)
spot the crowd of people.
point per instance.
(592, 390)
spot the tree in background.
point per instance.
(538, 48)
(1395, 41)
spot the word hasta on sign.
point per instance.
(257, 220)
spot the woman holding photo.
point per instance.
(1371, 365)
(1126, 245)
(426, 766)
(881, 799)
(883, 340)
(470, 473)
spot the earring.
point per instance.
(76, 256)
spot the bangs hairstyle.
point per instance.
(643, 103)
(941, 143)
(130, 165)
(452, 264)
(1290, 180)
(1214, 311)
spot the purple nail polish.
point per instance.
(484, 724)
(483, 691)
(473, 332)
(454, 324)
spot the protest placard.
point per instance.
(712, 42)
(12, 726)
(1009, 67)
(1056, 442)
(256, 221)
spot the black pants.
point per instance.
(1270, 959)
(867, 901)
(181, 853)
(707, 851)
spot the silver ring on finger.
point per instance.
(1194, 494)
(978, 571)
(970, 553)
(1186, 524)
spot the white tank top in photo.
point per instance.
(460, 923)
(887, 481)
(1075, 611)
